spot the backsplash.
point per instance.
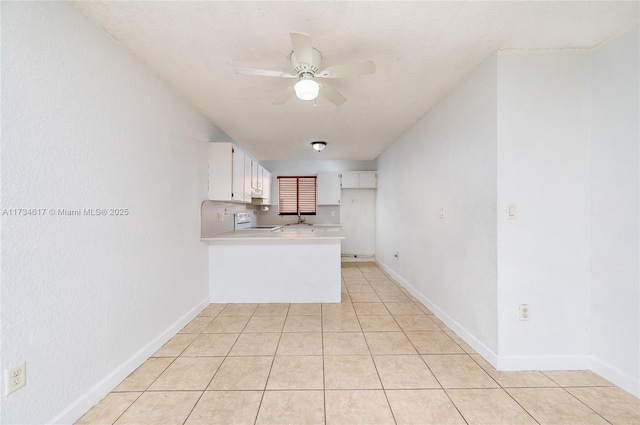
(209, 211)
(210, 225)
(323, 216)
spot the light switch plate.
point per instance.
(511, 211)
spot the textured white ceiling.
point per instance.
(422, 50)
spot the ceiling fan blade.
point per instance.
(348, 70)
(284, 96)
(264, 72)
(332, 94)
(302, 47)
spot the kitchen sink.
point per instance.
(308, 227)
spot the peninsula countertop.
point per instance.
(266, 235)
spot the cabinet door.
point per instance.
(350, 180)
(238, 175)
(254, 175)
(221, 171)
(260, 180)
(328, 188)
(368, 179)
(266, 186)
(247, 179)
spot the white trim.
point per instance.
(611, 373)
(466, 336)
(80, 406)
(349, 258)
(625, 381)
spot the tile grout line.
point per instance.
(572, 395)
(425, 363)
(266, 382)
(422, 358)
(212, 377)
(125, 410)
(507, 392)
(324, 375)
(584, 404)
(376, 289)
(384, 390)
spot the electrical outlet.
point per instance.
(524, 312)
(219, 217)
(442, 213)
(333, 213)
(15, 378)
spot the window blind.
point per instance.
(296, 193)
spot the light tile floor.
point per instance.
(379, 357)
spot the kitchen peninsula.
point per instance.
(275, 267)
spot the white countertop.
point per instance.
(266, 235)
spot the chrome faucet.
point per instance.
(300, 218)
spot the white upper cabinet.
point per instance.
(265, 196)
(266, 187)
(256, 179)
(368, 179)
(350, 179)
(328, 188)
(239, 175)
(247, 178)
(359, 179)
(226, 173)
(234, 176)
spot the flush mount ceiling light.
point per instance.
(307, 89)
(317, 145)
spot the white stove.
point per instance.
(243, 222)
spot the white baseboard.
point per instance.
(613, 374)
(79, 407)
(466, 336)
(347, 258)
(572, 362)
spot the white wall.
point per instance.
(447, 160)
(316, 165)
(561, 131)
(543, 168)
(308, 167)
(85, 125)
(615, 280)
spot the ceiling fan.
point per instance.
(305, 61)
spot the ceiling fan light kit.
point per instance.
(307, 89)
(305, 63)
(318, 145)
